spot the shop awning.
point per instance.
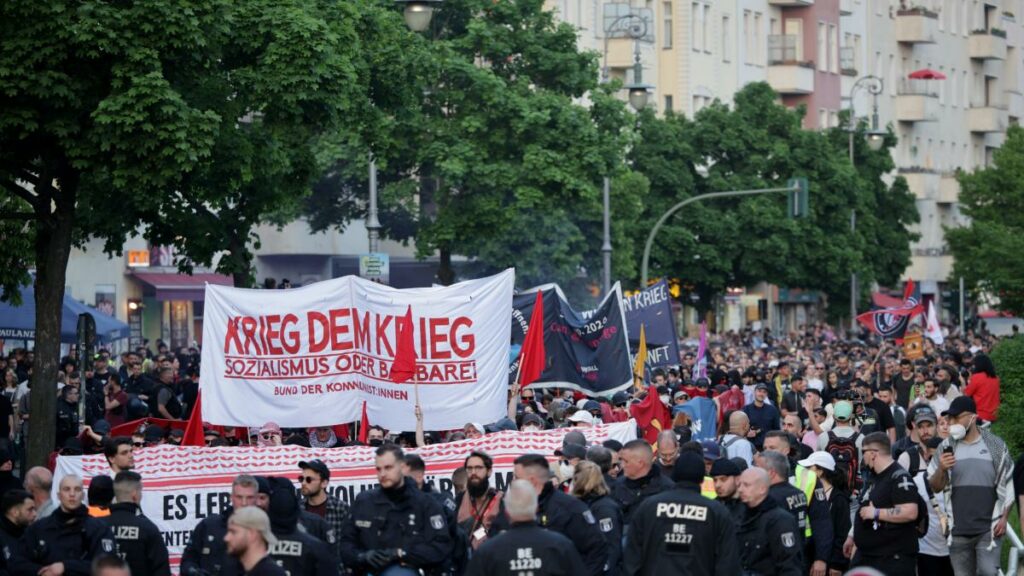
(173, 286)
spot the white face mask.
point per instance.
(566, 470)
(531, 429)
(959, 432)
(664, 398)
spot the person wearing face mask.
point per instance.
(479, 505)
(569, 456)
(664, 395)
(832, 489)
(532, 423)
(974, 472)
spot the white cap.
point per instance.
(773, 364)
(582, 416)
(581, 402)
(821, 460)
(255, 519)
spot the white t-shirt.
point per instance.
(738, 447)
(933, 543)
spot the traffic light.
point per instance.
(798, 201)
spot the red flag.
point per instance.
(892, 322)
(364, 426)
(651, 415)
(532, 357)
(404, 366)
(194, 434)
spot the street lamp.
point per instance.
(635, 28)
(418, 13)
(875, 138)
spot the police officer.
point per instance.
(559, 512)
(138, 539)
(394, 525)
(67, 415)
(206, 552)
(297, 552)
(639, 479)
(17, 511)
(416, 468)
(681, 532)
(525, 548)
(776, 465)
(64, 542)
(312, 524)
(769, 538)
(726, 473)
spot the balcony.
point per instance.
(1015, 103)
(988, 44)
(915, 102)
(949, 189)
(845, 7)
(985, 119)
(791, 3)
(788, 73)
(847, 61)
(916, 26)
(922, 182)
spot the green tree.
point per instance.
(167, 116)
(507, 164)
(986, 252)
(758, 143)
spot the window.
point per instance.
(952, 88)
(705, 36)
(668, 103)
(822, 118)
(699, 102)
(857, 63)
(758, 39)
(942, 88)
(833, 118)
(966, 86)
(726, 39)
(666, 24)
(833, 48)
(893, 75)
(748, 37)
(694, 27)
(822, 46)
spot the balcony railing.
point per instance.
(785, 49)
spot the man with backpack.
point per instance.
(843, 442)
(885, 527)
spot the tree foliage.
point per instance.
(987, 251)
(756, 144)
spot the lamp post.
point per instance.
(876, 138)
(635, 29)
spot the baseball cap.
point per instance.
(620, 397)
(819, 459)
(317, 466)
(924, 413)
(574, 437)
(101, 427)
(256, 519)
(582, 416)
(843, 410)
(773, 364)
(532, 418)
(572, 451)
(725, 467)
(591, 405)
(961, 404)
(712, 451)
(762, 386)
(153, 433)
(680, 394)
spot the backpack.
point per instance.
(914, 469)
(844, 451)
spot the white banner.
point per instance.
(310, 356)
(183, 485)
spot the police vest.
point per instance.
(804, 480)
(707, 488)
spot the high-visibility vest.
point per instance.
(707, 488)
(805, 480)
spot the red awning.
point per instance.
(885, 301)
(926, 74)
(173, 286)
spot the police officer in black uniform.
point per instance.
(785, 494)
(681, 532)
(416, 469)
(639, 478)
(17, 511)
(65, 541)
(206, 552)
(395, 524)
(525, 548)
(138, 540)
(294, 550)
(559, 512)
(67, 415)
(165, 396)
(769, 539)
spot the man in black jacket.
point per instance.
(525, 547)
(559, 512)
(206, 551)
(769, 539)
(640, 478)
(138, 540)
(67, 415)
(394, 525)
(18, 510)
(681, 532)
(64, 542)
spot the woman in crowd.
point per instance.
(984, 387)
(589, 486)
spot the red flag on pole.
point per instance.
(532, 357)
(651, 415)
(194, 434)
(364, 426)
(404, 366)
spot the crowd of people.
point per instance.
(806, 454)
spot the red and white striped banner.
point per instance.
(183, 485)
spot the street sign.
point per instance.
(375, 267)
